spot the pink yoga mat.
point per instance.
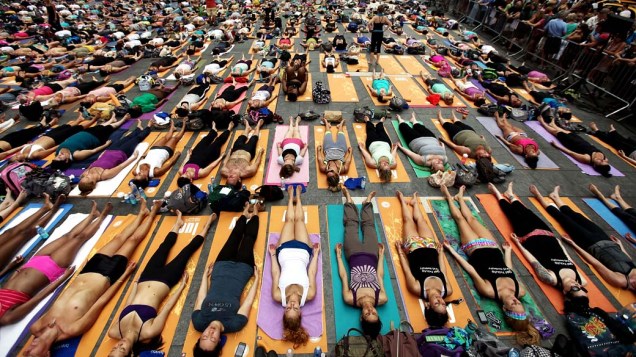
(270, 313)
(237, 107)
(272, 177)
(587, 169)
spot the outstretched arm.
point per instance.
(368, 160)
(246, 306)
(543, 274)
(614, 278)
(160, 171)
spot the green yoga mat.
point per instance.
(348, 316)
(451, 233)
(420, 171)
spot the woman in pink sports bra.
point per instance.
(469, 91)
(518, 141)
(291, 150)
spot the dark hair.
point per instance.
(182, 112)
(603, 169)
(371, 329)
(198, 352)
(292, 96)
(330, 68)
(189, 52)
(580, 306)
(154, 345)
(103, 73)
(177, 75)
(334, 180)
(434, 318)
(60, 165)
(135, 111)
(485, 170)
(479, 102)
(381, 99)
(182, 181)
(140, 183)
(531, 161)
(86, 104)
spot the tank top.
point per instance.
(525, 142)
(378, 27)
(550, 254)
(489, 264)
(109, 159)
(380, 149)
(364, 274)
(424, 264)
(80, 141)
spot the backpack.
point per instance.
(360, 113)
(339, 43)
(358, 346)
(145, 82)
(352, 27)
(464, 176)
(227, 198)
(14, 174)
(186, 200)
(38, 182)
(489, 74)
(430, 346)
(330, 27)
(419, 50)
(398, 104)
(309, 115)
(399, 342)
(442, 178)
(270, 193)
(265, 114)
(320, 95)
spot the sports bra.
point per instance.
(144, 312)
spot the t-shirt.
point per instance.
(146, 101)
(224, 297)
(80, 141)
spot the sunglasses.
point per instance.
(577, 288)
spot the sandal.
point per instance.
(462, 111)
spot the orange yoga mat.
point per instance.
(608, 147)
(410, 90)
(123, 187)
(319, 136)
(491, 206)
(399, 173)
(411, 64)
(303, 97)
(257, 180)
(367, 81)
(391, 214)
(208, 94)
(324, 70)
(342, 88)
(188, 231)
(362, 66)
(201, 182)
(272, 105)
(623, 296)
(248, 333)
(390, 65)
(276, 226)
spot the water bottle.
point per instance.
(41, 232)
(290, 353)
(142, 194)
(317, 351)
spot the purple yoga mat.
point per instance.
(270, 313)
(587, 169)
(478, 85)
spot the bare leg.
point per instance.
(12, 205)
(163, 141)
(423, 229)
(493, 189)
(409, 229)
(300, 228)
(345, 192)
(554, 195)
(172, 142)
(287, 233)
(111, 247)
(601, 197)
(617, 196)
(537, 194)
(140, 234)
(465, 231)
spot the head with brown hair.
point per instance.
(527, 334)
(293, 331)
(287, 170)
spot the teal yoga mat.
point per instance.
(420, 171)
(451, 233)
(608, 216)
(348, 316)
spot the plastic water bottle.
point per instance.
(290, 353)
(317, 351)
(41, 232)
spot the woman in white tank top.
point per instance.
(294, 268)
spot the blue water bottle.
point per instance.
(41, 232)
(317, 351)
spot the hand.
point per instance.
(279, 144)
(506, 246)
(380, 249)
(189, 152)
(208, 271)
(621, 153)
(394, 146)
(68, 272)
(553, 143)
(261, 150)
(439, 248)
(616, 240)
(272, 249)
(177, 153)
(499, 137)
(130, 268)
(567, 239)
(319, 148)
(349, 150)
(448, 246)
(316, 249)
(108, 142)
(18, 260)
(338, 249)
(184, 280)
(515, 239)
(135, 155)
(399, 145)
(360, 145)
(256, 274)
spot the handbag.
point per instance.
(358, 346)
(270, 193)
(400, 343)
(333, 116)
(442, 178)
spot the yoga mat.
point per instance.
(451, 233)
(201, 182)
(457, 103)
(273, 168)
(319, 136)
(411, 65)
(248, 333)
(342, 88)
(478, 85)
(420, 171)
(399, 173)
(208, 94)
(409, 89)
(554, 295)
(391, 215)
(362, 66)
(237, 107)
(587, 169)
(13, 335)
(390, 65)
(183, 145)
(150, 115)
(367, 81)
(608, 216)
(270, 313)
(272, 105)
(349, 316)
(186, 234)
(123, 187)
(609, 148)
(254, 51)
(252, 183)
(544, 163)
(306, 97)
(337, 69)
(443, 132)
(623, 296)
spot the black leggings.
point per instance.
(200, 90)
(454, 128)
(63, 132)
(208, 149)
(89, 86)
(376, 42)
(417, 131)
(522, 219)
(170, 273)
(128, 143)
(23, 136)
(240, 245)
(628, 216)
(376, 133)
(101, 132)
(232, 93)
(242, 143)
(580, 229)
(617, 141)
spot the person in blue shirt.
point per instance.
(555, 30)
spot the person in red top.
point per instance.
(212, 10)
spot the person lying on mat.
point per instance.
(624, 211)
(423, 262)
(243, 67)
(194, 98)
(186, 68)
(230, 97)
(72, 93)
(267, 67)
(625, 146)
(243, 160)
(423, 147)
(294, 269)
(285, 42)
(469, 91)
(143, 318)
(539, 245)
(10, 205)
(47, 269)
(163, 64)
(112, 161)
(218, 308)
(15, 140)
(436, 86)
(605, 253)
(380, 87)
(490, 269)
(532, 75)
(159, 158)
(264, 95)
(294, 82)
(217, 65)
(366, 262)
(151, 100)
(103, 94)
(291, 150)
(330, 62)
(78, 307)
(502, 94)
(578, 148)
(334, 156)
(205, 156)
(517, 140)
(85, 143)
(377, 151)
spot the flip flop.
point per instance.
(462, 111)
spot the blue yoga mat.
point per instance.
(608, 216)
(349, 316)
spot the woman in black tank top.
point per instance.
(490, 269)
(376, 26)
(423, 262)
(551, 263)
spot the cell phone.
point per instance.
(240, 349)
(482, 317)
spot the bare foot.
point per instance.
(535, 191)
(617, 193)
(139, 124)
(180, 221)
(460, 194)
(156, 204)
(107, 208)
(290, 190)
(510, 194)
(593, 126)
(143, 208)
(345, 192)
(47, 201)
(446, 193)
(370, 197)
(594, 190)
(230, 126)
(8, 197)
(399, 195)
(94, 211)
(493, 189)
(554, 195)
(399, 118)
(414, 199)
